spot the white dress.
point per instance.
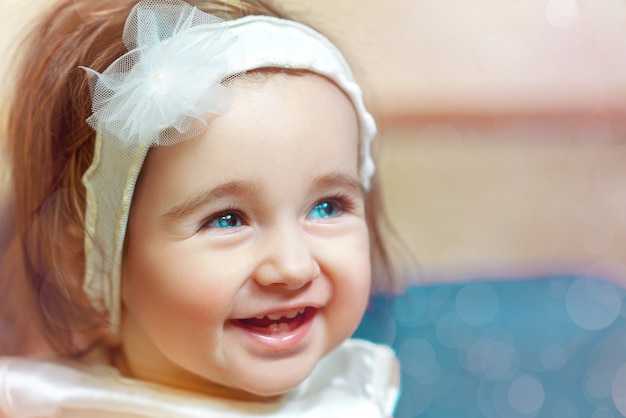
(358, 379)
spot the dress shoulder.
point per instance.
(357, 379)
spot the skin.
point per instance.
(262, 214)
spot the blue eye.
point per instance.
(325, 210)
(225, 220)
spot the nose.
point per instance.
(287, 260)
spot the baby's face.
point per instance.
(247, 254)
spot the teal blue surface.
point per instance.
(552, 347)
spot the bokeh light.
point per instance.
(550, 347)
(593, 304)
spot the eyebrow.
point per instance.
(198, 200)
(344, 181)
(248, 188)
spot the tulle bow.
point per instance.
(160, 91)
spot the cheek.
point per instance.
(352, 283)
(360, 287)
(174, 288)
(355, 257)
(363, 271)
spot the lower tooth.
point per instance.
(276, 327)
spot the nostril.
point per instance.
(287, 270)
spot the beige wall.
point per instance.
(438, 57)
(510, 197)
(502, 133)
(457, 56)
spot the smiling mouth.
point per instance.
(277, 324)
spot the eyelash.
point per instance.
(232, 211)
(344, 202)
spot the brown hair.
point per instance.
(50, 146)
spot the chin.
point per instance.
(276, 385)
(277, 376)
(273, 389)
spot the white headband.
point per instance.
(158, 94)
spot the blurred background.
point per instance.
(502, 151)
(501, 126)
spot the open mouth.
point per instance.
(277, 324)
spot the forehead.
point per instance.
(275, 120)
